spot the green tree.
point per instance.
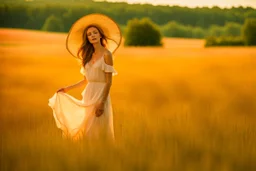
(250, 14)
(232, 29)
(216, 31)
(249, 31)
(173, 29)
(52, 23)
(68, 19)
(198, 32)
(142, 33)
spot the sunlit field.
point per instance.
(181, 107)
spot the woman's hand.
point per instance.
(62, 90)
(99, 109)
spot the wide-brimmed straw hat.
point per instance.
(110, 28)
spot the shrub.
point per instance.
(142, 33)
(224, 41)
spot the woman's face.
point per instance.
(93, 35)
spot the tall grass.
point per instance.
(170, 113)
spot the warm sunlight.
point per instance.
(200, 3)
(110, 85)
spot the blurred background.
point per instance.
(184, 98)
(190, 20)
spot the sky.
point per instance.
(194, 3)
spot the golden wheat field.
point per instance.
(181, 107)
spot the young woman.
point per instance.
(92, 39)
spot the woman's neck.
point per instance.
(97, 48)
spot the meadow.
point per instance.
(181, 107)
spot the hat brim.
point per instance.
(109, 27)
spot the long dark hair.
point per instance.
(86, 50)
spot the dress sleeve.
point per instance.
(108, 68)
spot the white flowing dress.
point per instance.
(76, 118)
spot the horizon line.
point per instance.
(180, 5)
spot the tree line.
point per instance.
(145, 33)
(171, 29)
(34, 14)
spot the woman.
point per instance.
(92, 39)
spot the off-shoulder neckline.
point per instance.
(96, 61)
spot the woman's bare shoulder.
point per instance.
(107, 53)
(108, 57)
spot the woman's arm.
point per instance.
(108, 60)
(100, 107)
(78, 84)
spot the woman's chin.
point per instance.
(95, 42)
